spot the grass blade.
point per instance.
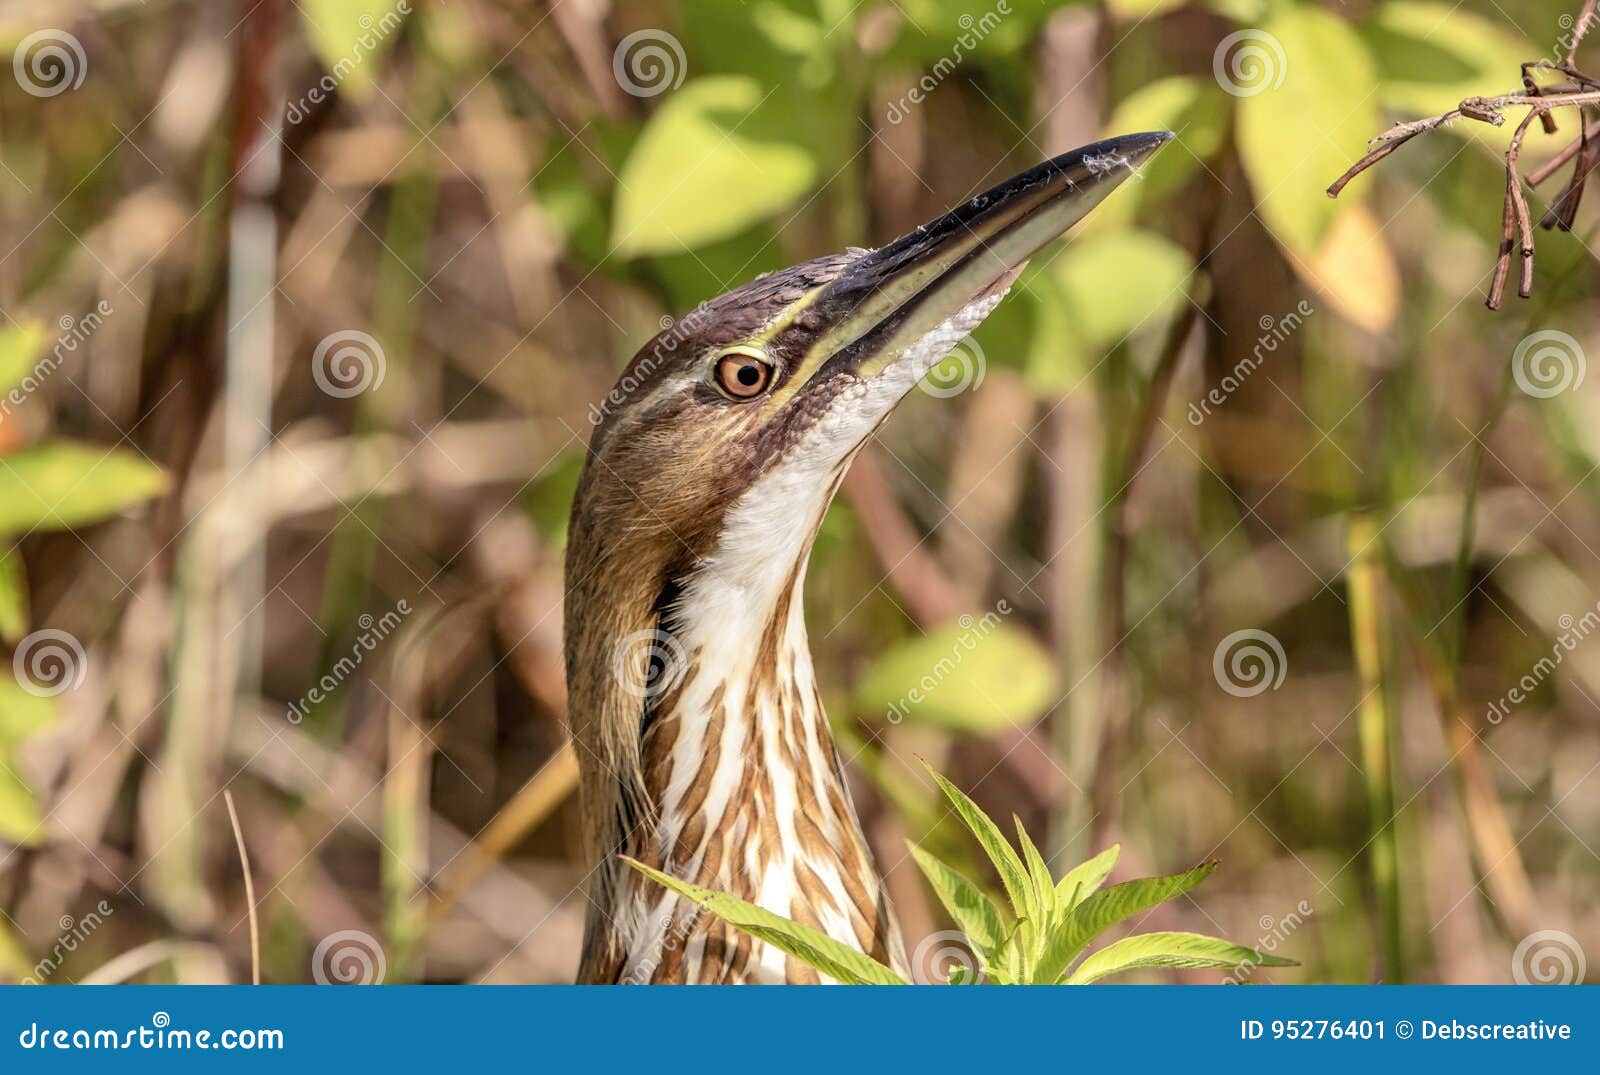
(1365, 583)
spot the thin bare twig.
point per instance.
(1516, 235)
(249, 890)
(1588, 18)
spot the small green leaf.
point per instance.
(19, 811)
(19, 348)
(13, 598)
(973, 911)
(22, 715)
(349, 35)
(983, 677)
(1142, 9)
(1119, 283)
(1099, 912)
(1044, 889)
(62, 485)
(1091, 875)
(1169, 950)
(1006, 863)
(812, 948)
(706, 166)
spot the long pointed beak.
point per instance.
(892, 297)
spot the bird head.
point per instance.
(716, 455)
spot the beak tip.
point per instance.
(1142, 146)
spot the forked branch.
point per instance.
(1578, 90)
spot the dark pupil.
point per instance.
(748, 375)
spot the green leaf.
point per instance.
(19, 812)
(1168, 950)
(1006, 863)
(1044, 889)
(1099, 912)
(63, 485)
(349, 35)
(1142, 9)
(1090, 875)
(1122, 282)
(1299, 134)
(707, 165)
(22, 715)
(815, 949)
(979, 678)
(19, 348)
(13, 597)
(973, 911)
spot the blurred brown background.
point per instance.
(305, 306)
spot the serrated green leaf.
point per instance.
(62, 485)
(706, 166)
(836, 960)
(1090, 875)
(1168, 950)
(13, 597)
(1097, 913)
(1006, 863)
(348, 36)
(1307, 108)
(983, 677)
(1044, 889)
(974, 912)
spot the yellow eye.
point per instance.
(742, 375)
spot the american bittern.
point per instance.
(700, 733)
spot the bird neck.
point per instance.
(743, 792)
(749, 796)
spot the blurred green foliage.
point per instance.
(484, 195)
